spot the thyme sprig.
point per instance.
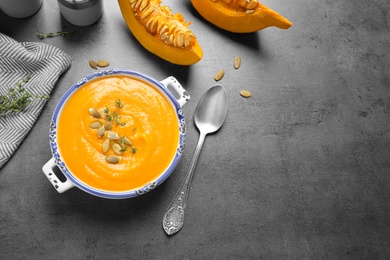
(124, 147)
(17, 98)
(54, 34)
(113, 116)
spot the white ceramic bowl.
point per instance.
(71, 179)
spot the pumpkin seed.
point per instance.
(219, 75)
(93, 64)
(117, 148)
(106, 145)
(127, 141)
(147, 12)
(112, 136)
(242, 3)
(251, 4)
(108, 125)
(144, 4)
(102, 63)
(245, 93)
(187, 40)
(163, 30)
(101, 131)
(93, 112)
(137, 5)
(180, 39)
(95, 125)
(112, 159)
(160, 20)
(237, 62)
(249, 11)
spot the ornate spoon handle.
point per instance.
(174, 217)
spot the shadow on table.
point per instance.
(76, 202)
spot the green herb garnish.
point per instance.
(118, 103)
(17, 98)
(124, 147)
(51, 34)
(113, 116)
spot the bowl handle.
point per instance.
(172, 82)
(59, 185)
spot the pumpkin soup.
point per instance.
(117, 133)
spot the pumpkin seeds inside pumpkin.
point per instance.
(219, 75)
(93, 112)
(160, 20)
(245, 93)
(251, 4)
(112, 159)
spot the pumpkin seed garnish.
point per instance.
(122, 144)
(117, 148)
(108, 125)
(126, 141)
(95, 125)
(101, 131)
(106, 145)
(112, 159)
(93, 112)
(112, 135)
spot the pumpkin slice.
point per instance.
(239, 16)
(160, 31)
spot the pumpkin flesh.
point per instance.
(240, 16)
(160, 31)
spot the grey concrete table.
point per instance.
(301, 170)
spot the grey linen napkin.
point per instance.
(44, 64)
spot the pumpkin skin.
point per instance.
(233, 18)
(187, 54)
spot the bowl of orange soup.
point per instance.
(117, 134)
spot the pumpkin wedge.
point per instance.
(239, 16)
(160, 31)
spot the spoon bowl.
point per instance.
(211, 110)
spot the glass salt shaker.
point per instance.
(81, 12)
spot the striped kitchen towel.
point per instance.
(42, 64)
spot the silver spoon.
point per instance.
(209, 116)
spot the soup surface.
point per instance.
(142, 141)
